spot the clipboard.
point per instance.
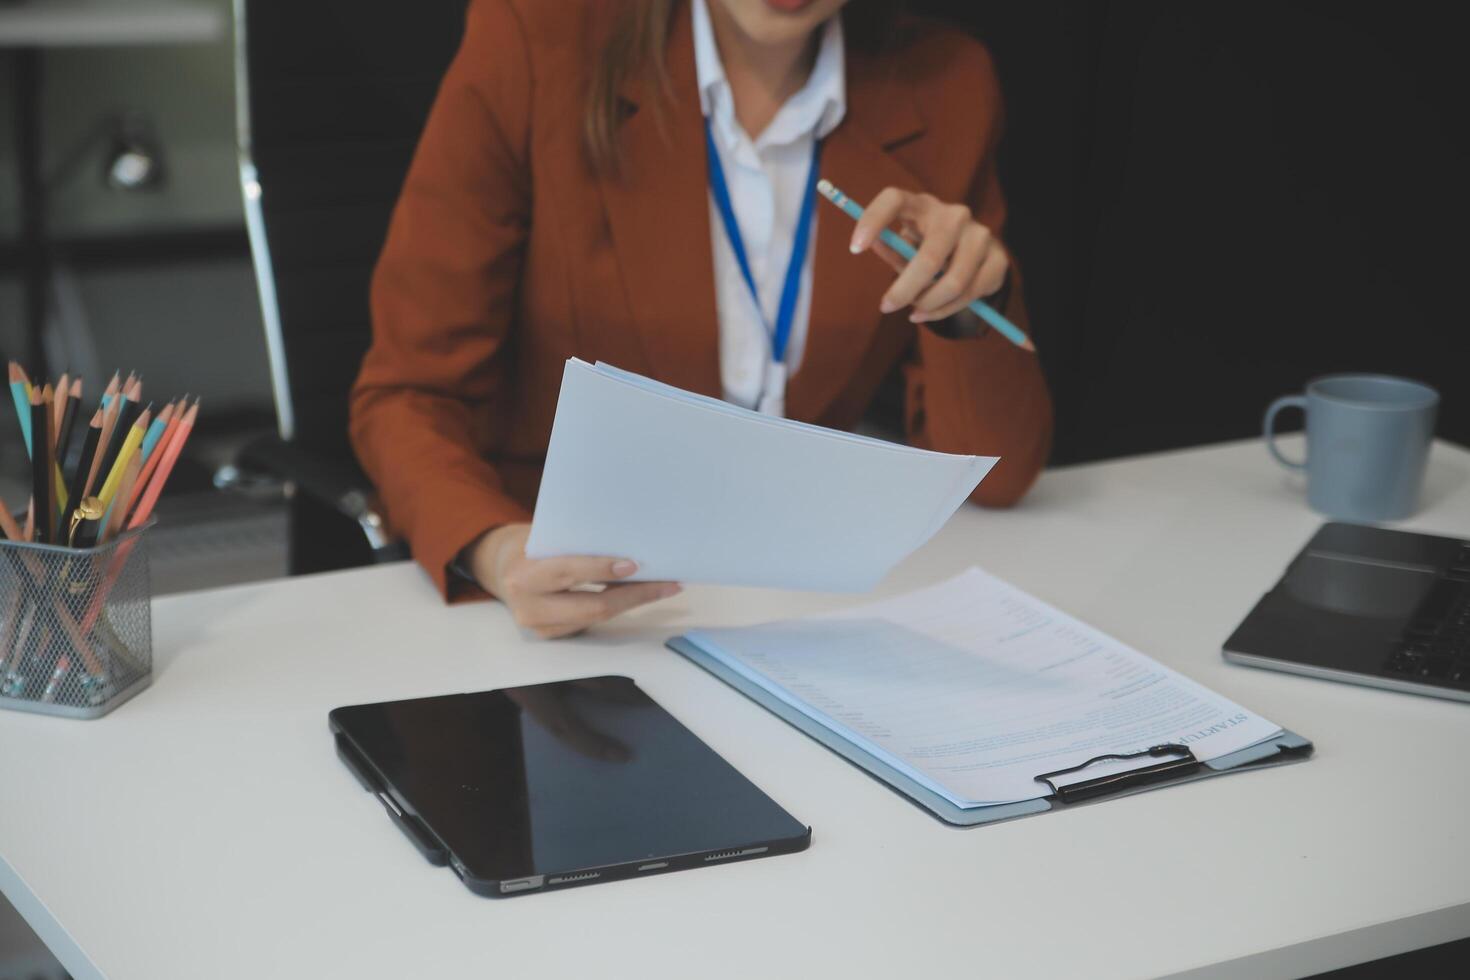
(1159, 766)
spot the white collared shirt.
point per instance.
(767, 179)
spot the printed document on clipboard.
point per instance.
(973, 691)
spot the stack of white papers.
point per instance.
(972, 688)
(698, 490)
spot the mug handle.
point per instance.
(1277, 407)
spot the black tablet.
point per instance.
(549, 786)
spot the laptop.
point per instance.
(1367, 605)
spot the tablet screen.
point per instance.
(555, 777)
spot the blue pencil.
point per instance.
(20, 390)
(980, 308)
(110, 392)
(155, 432)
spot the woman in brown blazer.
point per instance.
(560, 204)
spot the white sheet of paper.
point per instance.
(973, 688)
(698, 490)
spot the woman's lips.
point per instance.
(790, 6)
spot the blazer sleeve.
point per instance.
(427, 406)
(982, 395)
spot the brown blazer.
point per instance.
(507, 254)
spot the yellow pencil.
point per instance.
(129, 447)
(117, 512)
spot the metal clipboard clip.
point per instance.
(1179, 761)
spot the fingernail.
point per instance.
(919, 318)
(857, 244)
(672, 589)
(887, 306)
(623, 568)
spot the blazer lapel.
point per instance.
(658, 210)
(881, 114)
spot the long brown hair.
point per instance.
(635, 48)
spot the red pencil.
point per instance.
(149, 496)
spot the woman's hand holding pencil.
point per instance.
(946, 260)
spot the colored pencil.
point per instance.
(40, 468)
(130, 387)
(126, 451)
(58, 485)
(20, 390)
(109, 423)
(63, 388)
(12, 643)
(149, 497)
(130, 444)
(906, 251)
(68, 423)
(7, 639)
(7, 522)
(42, 644)
(78, 488)
(126, 409)
(169, 431)
(155, 431)
(117, 510)
(24, 629)
(110, 392)
(48, 398)
(63, 667)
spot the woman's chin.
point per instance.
(779, 22)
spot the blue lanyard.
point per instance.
(720, 189)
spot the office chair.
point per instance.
(331, 97)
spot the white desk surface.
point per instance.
(206, 829)
(87, 23)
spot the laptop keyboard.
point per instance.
(1435, 646)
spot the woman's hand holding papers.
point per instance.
(550, 596)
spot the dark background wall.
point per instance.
(1214, 202)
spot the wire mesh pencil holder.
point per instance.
(76, 634)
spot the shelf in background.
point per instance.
(85, 23)
(142, 247)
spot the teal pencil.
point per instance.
(155, 431)
(19, 389)
(980, 308)
(110, 392)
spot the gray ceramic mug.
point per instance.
(1368, 439)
